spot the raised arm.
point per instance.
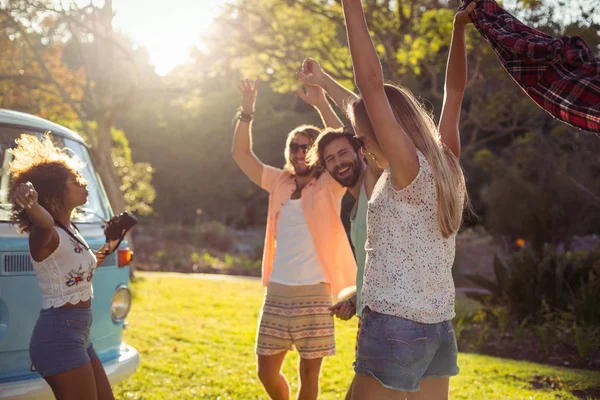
(313, 74)
(241, 149)
(315, 96)
(397, 147)
(42, 236)
(456, 81)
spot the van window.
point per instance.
(97, 207)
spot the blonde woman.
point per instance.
(406, 345)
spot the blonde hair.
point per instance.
(309, 131)
(418, 124)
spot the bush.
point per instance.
(213, 235)
(542, 188)
(585, 302)
(532, 283)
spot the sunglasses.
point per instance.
(294, 147)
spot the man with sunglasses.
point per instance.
(307, 256)
(343, 155)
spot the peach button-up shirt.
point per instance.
(321, 203)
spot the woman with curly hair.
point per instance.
(46, 187)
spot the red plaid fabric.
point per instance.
(560, 75)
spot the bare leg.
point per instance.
(431, 388)
(349, 394)
(309, 369)
(76, 384)
(367, 388)
(269, 373)
(103, 388)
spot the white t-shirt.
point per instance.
(296, 260)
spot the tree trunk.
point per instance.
(102, 156)
(104, 163)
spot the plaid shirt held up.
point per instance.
(560, 75)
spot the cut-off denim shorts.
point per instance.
(61, 340)
(399, 352)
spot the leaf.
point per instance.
(501, 273)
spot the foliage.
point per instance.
(249, 40)
(191, 150)
(213, 235)
(535, 285)
(66, 63)
(586, 339)
(542, 188)
(181, 124)
(136, 178)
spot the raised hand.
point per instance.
(249, 92)
(25, 195)
(463, 17)
(312, 74)
(314, 95)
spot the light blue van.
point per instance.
(20, 299)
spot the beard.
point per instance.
(351, 177)
(301, 169)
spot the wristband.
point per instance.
(242, 116)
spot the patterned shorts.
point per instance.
(296, 316)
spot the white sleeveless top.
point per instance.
(296, 259)
(408, 271)
(66, 275)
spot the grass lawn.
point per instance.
(196, 339)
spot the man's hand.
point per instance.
(344, 310)
(249, 92)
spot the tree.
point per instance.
(543, 188)
(269, 39)
(94, 92)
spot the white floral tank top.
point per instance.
(66, 275)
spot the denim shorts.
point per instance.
(61, 340)
(399, 352)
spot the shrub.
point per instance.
(532, 283)
(213, 235)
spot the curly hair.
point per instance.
(47, 167)
(315, 157)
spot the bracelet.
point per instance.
(242, 116)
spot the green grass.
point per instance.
(196, 339)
